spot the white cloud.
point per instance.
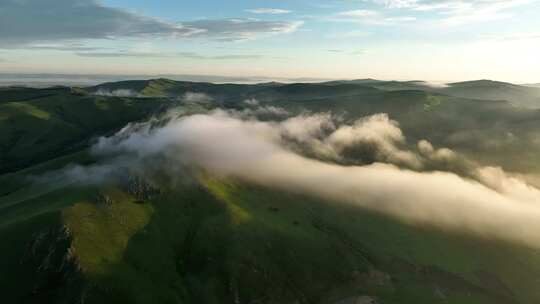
(359, 13)
(399, 19)
(155, 54)
(270, 11)
(397, 3)
(239, 29)
(251, 102)
(371, 17)
(229, 146)
(194, 97)
(255, 109)
(513, 36)
(350, 34)
(459, 12)
(117, 93)
(42, 22)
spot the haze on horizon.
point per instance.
(436, 40)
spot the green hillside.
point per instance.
(527, 96)
(142, 238)
(493, 90)
(455, 116)
(225, 241)
(40, 124)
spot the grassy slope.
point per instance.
(523, 96)
(227, 241)
(49, 125)
(519, 95)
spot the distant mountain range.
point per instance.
(23, 106)
(518, 95)
(44, 80)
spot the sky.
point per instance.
(434, 40)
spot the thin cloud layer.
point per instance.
(459, 12)
(271, 11)
(190, 55)
(239, 29)
(33, 21)
(117, 93)
(37, 21)
(371, 17)
(229, 145)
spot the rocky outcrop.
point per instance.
(57, 276)
(141, 189)
(104, 200)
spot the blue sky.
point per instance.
(436, 40)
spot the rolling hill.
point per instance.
(140, 237)
(39, 124)
(493, 90)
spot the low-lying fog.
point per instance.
(366, 162)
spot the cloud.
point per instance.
(231, 146)
(35, 21)
(359, 52)
(442, 157)
(412, 4)
(459, 12)
(399, 19)
(191, 55)
(272, 111)
(117, 93)
(120, 54)
(376, 138)
(188, 97)
(234, 57)
(371, 17)
(359, 13)
(346, 52)
(78, 47)
(512, 36)
(254, 109)
(350, 34)
(240, 29)
(193, 97)
(251, 102)
(452, 5)
(511, 186)
(43, 21)
(271, 11)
